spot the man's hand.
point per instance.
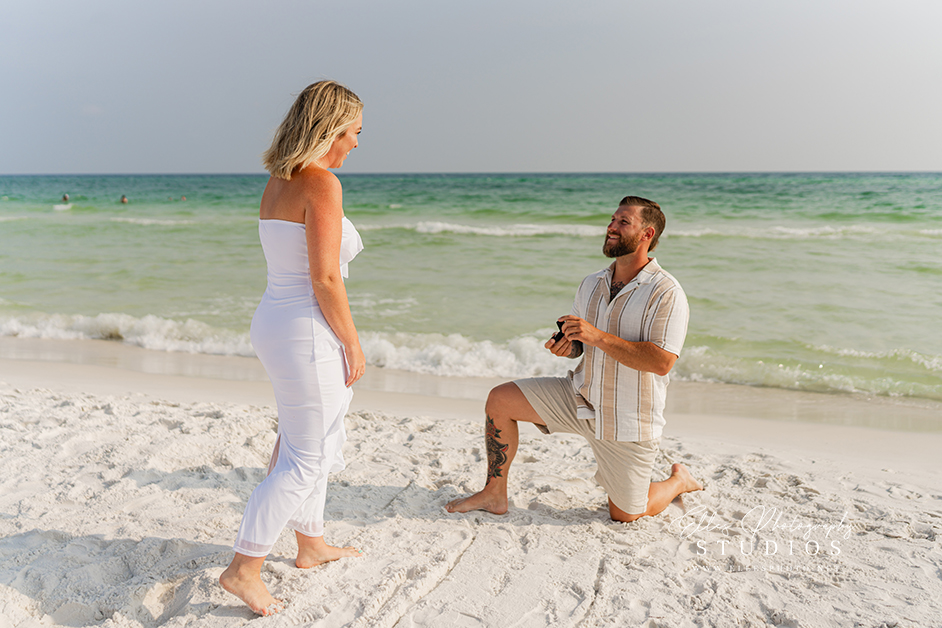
(641, 356)
(575, 328)
(564, 347)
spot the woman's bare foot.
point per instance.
(491, 501)
(313, 551)
(689, 483)
(242, 579)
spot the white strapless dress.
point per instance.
(305, 362)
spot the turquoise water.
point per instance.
(828, 282)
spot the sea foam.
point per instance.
(825, 369)
(148, 222)
(497, 231)
(148, 332)
(781, 232)
(457, 355)
(862, 233)
(451, 355)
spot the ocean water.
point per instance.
(822, 282)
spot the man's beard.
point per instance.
(625, 245)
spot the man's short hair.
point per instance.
(651, 215)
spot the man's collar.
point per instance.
(645, 275)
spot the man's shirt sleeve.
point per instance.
(670, 316)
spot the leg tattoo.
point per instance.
(496, 452)
(493, 497)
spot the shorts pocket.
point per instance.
(650, 445)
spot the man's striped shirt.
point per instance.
(628, 405)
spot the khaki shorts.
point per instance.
(624, 468)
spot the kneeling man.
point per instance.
(628, 324)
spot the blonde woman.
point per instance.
(303, 334)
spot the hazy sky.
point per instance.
(476, 86)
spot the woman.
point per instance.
(303, 334)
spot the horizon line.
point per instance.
(476, 173)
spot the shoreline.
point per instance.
(906, 414)
(902, 433)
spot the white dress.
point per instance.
(305, 362)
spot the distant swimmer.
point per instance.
(64, 205)
(124, 199)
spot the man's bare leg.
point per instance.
(506, 405)
(314, 551)
(661, 494)
(243, 579)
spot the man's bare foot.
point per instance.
(690, 484)
(496, 504)
(313, 551)
(243, 581)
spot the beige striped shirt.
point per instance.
(628, 405)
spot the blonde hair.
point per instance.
(320, 114)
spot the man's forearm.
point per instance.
(641, 356)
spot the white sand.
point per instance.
(123, 486)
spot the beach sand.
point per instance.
(125, 473)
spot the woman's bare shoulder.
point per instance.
(316, 180)
(291, 199)
(322, 195)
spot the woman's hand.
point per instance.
(356, 363)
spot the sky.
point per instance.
(111, 86)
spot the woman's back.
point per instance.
(285, 248)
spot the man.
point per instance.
(628, 323)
